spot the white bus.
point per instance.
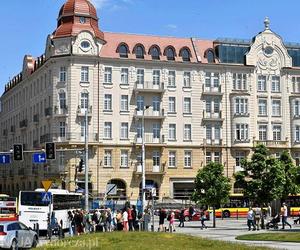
(34, 208)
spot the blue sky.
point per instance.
(25, 24)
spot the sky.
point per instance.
(25, 24)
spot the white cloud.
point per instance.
(99, 3)
(111, 4)
(171, 26)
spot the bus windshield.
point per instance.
(33, 199)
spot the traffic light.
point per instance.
(50, 150)
(18, 152)
(81, 165)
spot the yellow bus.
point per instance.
(8, 208)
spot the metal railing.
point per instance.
(149, 138)
(212, 115)
(150, 168)
(270, 143)
(81, 111)
(149, 85)
(60, 111)
(207, 142)
(211, 89)
(74, 137)
(150, 113)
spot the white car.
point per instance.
(27, 238)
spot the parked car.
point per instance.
(196, 216)
(27, 238)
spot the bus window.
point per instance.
(33, 199)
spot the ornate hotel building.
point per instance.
(201, 101)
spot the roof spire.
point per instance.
(267, 23)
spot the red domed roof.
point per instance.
(71, 16)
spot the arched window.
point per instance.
(210, 56)
(154, 51)
(170, 53)
(121, 189)
(185, 54)
(123, 50)
(139, 51)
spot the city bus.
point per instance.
(8, 208)
(293, 204)
(34, 208)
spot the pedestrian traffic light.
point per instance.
(18, 152)
(81, 165)
(50, 150)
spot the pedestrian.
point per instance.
(108, 220)
(191, 212)
(171, 222)
(134, 219)
(181, 218)
(284, 214)
(162, 216)
(203, 219)
(145, 220)
(130, 219)
(250, 219)
(258, 216)
(119, 221)
(125, 219)
(71, 223)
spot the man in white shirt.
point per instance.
(284, 214)
(250, 219)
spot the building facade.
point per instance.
(199, 101)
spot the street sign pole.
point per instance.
(86, 170)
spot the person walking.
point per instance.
(162, 216)
(250, 219)
(125, 220)
(171, 222)
(203, 219)
(257, 216)
(119, 221)
(284, 214)
(145, 220)
(130, 219)
(71, 223)
(181, 218)
(191, 212)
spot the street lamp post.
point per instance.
(86, 169)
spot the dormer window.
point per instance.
(123, 51)
(185, 54)
(154, 52)
(139, 51)
(170, 54)
(210, 56)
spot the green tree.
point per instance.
(211, 187)
(291, 185)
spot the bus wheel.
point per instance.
(226, 214)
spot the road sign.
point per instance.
(111, 189)
(46, 184)
(46, 197)
(4, 159)
(39, 158)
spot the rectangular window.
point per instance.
(172, 159)
(275, 84)
(124, 103)
(217, 133)
(239, 156)
(172, 104)
(276, 132)
(107, 130)
(171, 78)
(187, 79)
(124, 159)
(187, 132)
(262, 107)
(62, 100)
(156, 77)
(208, 132)
(187, 109)
(156, 158)
(187, 159)
(262, 132)
(124, 130)
(212, 81)
(297, 133)
(140, 76)
(239, 81)
(107, 158)
(276, 108)
(241, 106)
(156, 130)
(296, 84)
(124, 76)
(62, 74)
(62, 129)
(84, 74)
(296, 108)
(107, 102)
(241, 132)
(108, 75)
(208, 157)
(262, 83)
(217, 157)
(172, 132)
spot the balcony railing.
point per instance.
(149, 86)
(36, 118)
(212, 90)
(45, 138)
(150, 139)
(150, 113)
(48, 112)
(272, 143)
(212, 115)
(23, 123)
(212, 142)
(81, 111)
(150, 169)
(60, 111)
(75, 137)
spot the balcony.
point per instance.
(211, 90)
(58, 111)
(149, 169)
(149, 87)
(48, 112)
(45, 138)
(150, 114)
(36, 118)
(149, 139)
(12, 129)
(212, 142)
(272, 143)
(209, 116)
(75, 138)
(4, 132)
(23, 124)
(81, 111)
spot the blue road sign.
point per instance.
(39, 158)
(46, 197)
(4, 159)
